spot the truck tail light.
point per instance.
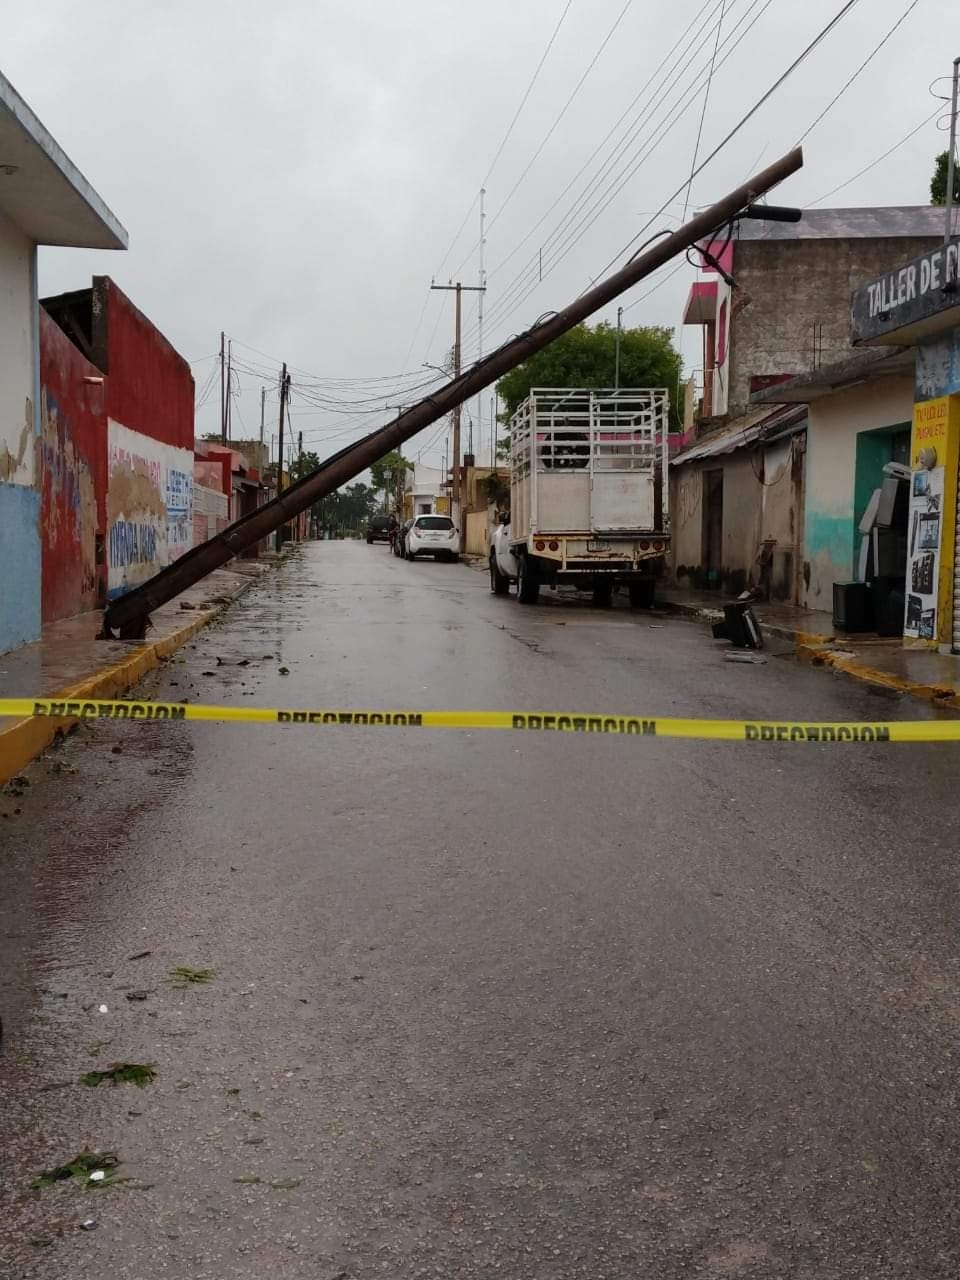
(644, 546)
(541, 546)
(658, 546)
(554, 545)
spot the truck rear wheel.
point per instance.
(642, 593)
(528, 582)
(603, 594)
(499, 583)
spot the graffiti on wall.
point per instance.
(68, 516)
(149, 506)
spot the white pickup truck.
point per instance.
(588, 498)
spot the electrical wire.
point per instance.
(523, 285)
(866, 62)
(703, 115)
(506, 137)
(764, 98)
(550, 132)
(873, 163)
(376, 378)
(521, 288)
(596, 151)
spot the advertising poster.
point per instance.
(932, 520)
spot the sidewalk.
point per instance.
(920, 673)
(68, 662)
(786, 621)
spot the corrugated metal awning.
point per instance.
(767, 426)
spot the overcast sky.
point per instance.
(294, 173)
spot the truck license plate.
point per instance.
(597, 544)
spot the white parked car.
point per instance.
(433, 536)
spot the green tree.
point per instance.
(587, 357)
(347, 510)
(303, 464)
(938, 183)
(395, 463)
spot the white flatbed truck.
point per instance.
(588, 495)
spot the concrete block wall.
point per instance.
(786, 288)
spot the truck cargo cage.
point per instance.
(597, 459)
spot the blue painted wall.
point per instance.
(938, 366)
(19, 565)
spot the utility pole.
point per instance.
(299, 471)
(284, 390)
(459, 289)
(493, 431)
(483, 286)
(263, 404)
(226, 436)
(616, 367)
(951, 154)
(223, 401)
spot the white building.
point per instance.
(424, 489)
(44, 200)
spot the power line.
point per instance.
(506, 137)
(801, 57)
(550, 132)
(596, 151)
(873, 163)
(579, 232)
(703, 114)
(566, 236)
(866, 62)
(523, 283)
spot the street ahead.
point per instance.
(482, 1003)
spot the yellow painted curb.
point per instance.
(23, 741)
(943, 695)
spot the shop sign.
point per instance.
(916, 291)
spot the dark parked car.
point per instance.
(400, 541)
(380, 528)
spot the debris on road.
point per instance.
(744, 655)
(140, 955)
(139, 1073)
(138, 995)
(285, 1184)
(89, 1224)
(739, 626)
(184, 976)
(82, 1165)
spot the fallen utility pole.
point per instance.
(130, 614)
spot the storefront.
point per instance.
(918, 307)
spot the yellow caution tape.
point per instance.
(526, 721)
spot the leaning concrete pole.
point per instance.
(128, 615)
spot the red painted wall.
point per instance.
(73, 473)
(150, 386)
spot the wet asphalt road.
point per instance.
(482, 1004)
